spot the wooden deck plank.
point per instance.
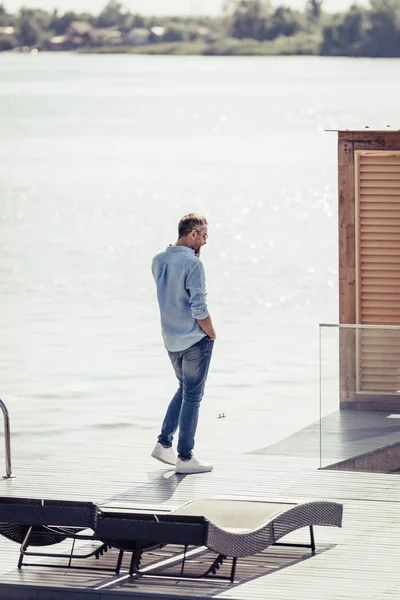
(359, 561)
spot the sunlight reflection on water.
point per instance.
(100, 158)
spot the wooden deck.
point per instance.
(359, 561)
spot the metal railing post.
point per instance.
(7, 439)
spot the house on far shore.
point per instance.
(7, 30)
(58, 42)
(156, 33)
(78, 33)
(81, 33)
(138, 36)
(106, 37)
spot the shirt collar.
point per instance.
(179, 249)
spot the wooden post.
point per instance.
(347, 271)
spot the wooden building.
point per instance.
(369, 268)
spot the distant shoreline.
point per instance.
(188, 49)
(298, 46)
(251, 28)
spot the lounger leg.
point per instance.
(72, 553)
(310, 545)
(215, 565)
(119, 562)
(183, 560)
(312, 539)
(150, 571)
(135, 560)
(233, 570)
(24, 546)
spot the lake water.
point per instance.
(100, 156)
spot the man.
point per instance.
(188, 335)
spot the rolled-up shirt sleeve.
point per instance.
(196, 287)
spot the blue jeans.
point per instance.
(191, 369)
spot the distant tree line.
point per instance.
(246, 26)
(372, 31)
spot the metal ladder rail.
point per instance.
(7, 439)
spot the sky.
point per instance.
(162, 7)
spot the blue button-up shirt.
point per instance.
(181, 293)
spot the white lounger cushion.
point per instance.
(228, 514)
(242, 528)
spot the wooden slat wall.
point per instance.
(378, 270)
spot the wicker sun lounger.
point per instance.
(35, 522)
(230, 528)
(227, 527)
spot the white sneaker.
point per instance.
(165, 455)
(191, 466)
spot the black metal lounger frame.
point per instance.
(34, 522)
(118, 529)
(46, 522)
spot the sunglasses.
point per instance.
(205, 235)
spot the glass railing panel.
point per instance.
(359, 393)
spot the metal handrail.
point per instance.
(7, 439)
